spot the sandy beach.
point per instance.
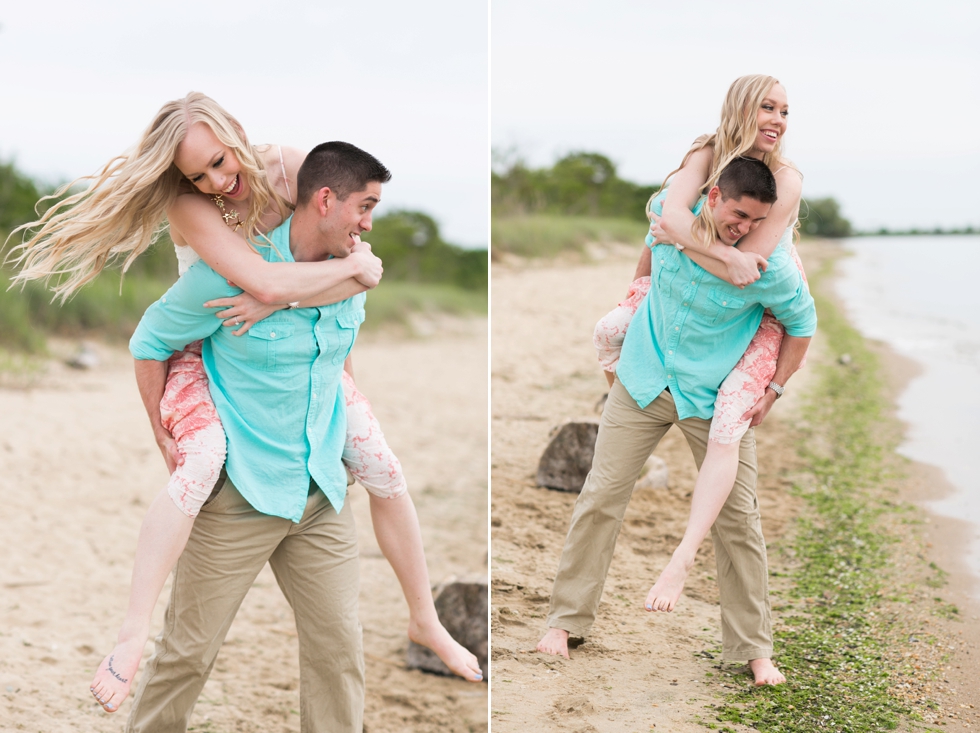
(639, 671)
(78, 468)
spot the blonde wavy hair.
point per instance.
(123, 211)
(735, 137)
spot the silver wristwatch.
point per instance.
(777, 388)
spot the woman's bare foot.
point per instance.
(454, 655)
(666, 591)
(765, 672)
(115, 675)
(554, 642)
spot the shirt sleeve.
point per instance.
(787, 296)
(179, 317)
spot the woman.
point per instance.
(219, 195)
(754, 119)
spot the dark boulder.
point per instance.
(568, 458)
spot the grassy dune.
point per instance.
(101, 310)
(548, 235)
(111, 305)
(395, 302)
(105, 307)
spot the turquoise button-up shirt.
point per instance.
(692, 327)
(277, 389)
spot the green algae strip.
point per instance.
(834, 641)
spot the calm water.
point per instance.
(921, 295)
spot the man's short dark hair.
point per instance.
(748, 177)
(342, 167)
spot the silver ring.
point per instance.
(238, 319)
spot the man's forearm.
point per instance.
(643, 266)
(791, 353)
(151, 377)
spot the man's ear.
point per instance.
(323, 199)
(714, 196)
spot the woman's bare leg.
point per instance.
(396, 526)
(162, 538)
(711, 490)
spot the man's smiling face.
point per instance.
(735, 217)
(346, 220)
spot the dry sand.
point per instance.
(78, 468)
(636, 670)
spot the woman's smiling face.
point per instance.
(771, 119)
(210, 164)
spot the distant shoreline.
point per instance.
(918, 233)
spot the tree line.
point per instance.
(587, 184)
(579, 184)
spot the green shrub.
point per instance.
(18, 195)
(581, 184)
(822, 218)
(409, 244)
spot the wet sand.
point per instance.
(78, 467)
(636, 670)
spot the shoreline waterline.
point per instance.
(902, 292)
(929, 594)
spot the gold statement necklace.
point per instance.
(231, 217)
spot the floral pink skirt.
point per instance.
(188, 412)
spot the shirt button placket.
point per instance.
(675, 337)
(314, 375)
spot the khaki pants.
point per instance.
(627, 436)
(316, 565)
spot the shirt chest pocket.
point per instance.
(665, 268)
(268, 345)
(348, 323)
(723, 306)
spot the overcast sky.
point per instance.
(407, 81)
(884, 105)
(884, 97)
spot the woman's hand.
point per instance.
(743, 267)
(657, 231)
(241, 311)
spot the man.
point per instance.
(278, 393)
(685, 338)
